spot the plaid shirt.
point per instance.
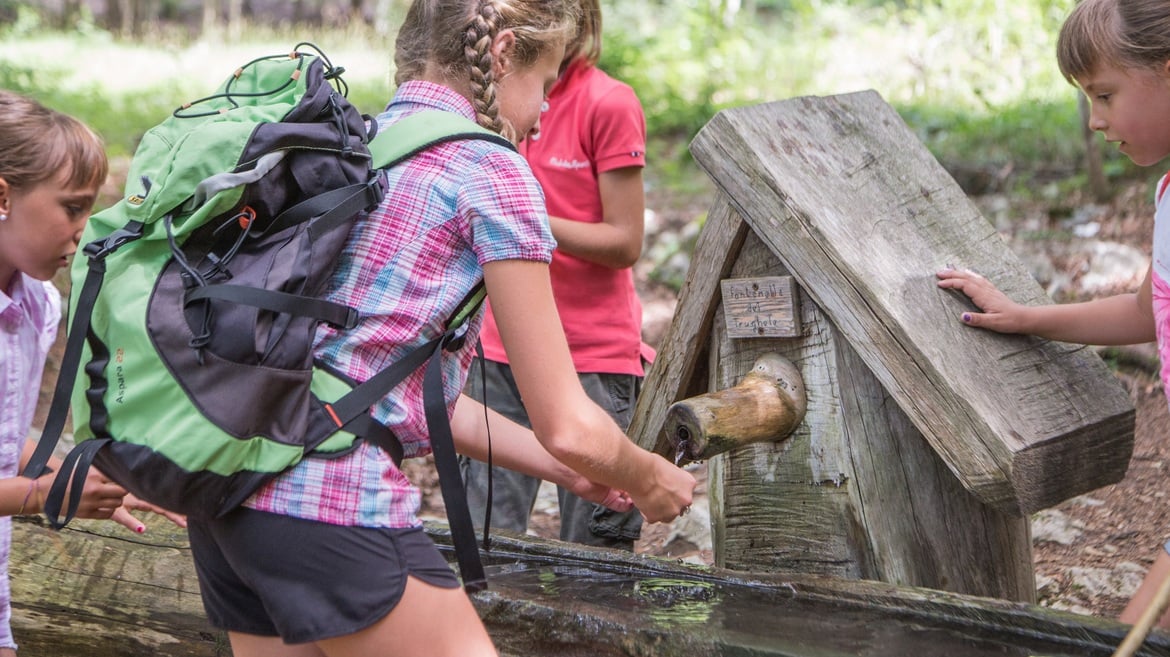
(446, 212)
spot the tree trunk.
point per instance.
(210, 16)
(95, 590)
(235, 19)
(1093, 157)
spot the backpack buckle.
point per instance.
(99, 249)
(454, 340)
(352, 318)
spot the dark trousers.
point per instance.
(514, 494)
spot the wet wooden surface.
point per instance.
(87, 594)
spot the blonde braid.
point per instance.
(477, 48)
(425, 44)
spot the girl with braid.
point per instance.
(330, 558)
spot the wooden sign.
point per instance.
(764, 307)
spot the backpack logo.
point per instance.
(139, 199)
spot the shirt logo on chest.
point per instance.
(561, 163)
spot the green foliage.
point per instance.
(975, 79)
(139, 84)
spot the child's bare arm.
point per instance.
(574, 429)
(516, 448)
(1114, 320)
(616, 241)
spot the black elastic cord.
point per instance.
(487, 513)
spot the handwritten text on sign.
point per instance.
(763, 307)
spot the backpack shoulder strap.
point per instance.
(414, 134)
(420, 131)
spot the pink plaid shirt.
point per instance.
(29, 314)
(446, 212)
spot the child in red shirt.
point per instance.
(588, 156)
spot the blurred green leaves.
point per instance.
(976, 79)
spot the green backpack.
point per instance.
(199, 294)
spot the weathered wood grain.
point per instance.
(545, 598)
(96, 590)
(862, 215)
(855, 492)
(673, 374)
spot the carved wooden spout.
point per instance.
(767, 405)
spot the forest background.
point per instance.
(975, 80)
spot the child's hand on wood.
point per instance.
(999, 313)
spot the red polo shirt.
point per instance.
(590, 124)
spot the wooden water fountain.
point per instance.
(873, 462)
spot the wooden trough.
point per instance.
(83, 592)
(926, 443)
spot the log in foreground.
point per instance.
(94, 589)
(85, 593)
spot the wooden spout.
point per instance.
(767, 405)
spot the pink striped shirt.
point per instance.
(29, 313)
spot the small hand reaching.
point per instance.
(999, 314)
(131, 502)
(100, 497)
(103, 499)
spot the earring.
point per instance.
(3, 217)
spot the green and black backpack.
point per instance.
(195, 306)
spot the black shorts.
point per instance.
(272, 575)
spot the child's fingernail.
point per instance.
(966, 317)
(140, 528)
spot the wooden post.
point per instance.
(680, 369)
(862, 215)
(926, 443)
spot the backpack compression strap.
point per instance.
(76, 466)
